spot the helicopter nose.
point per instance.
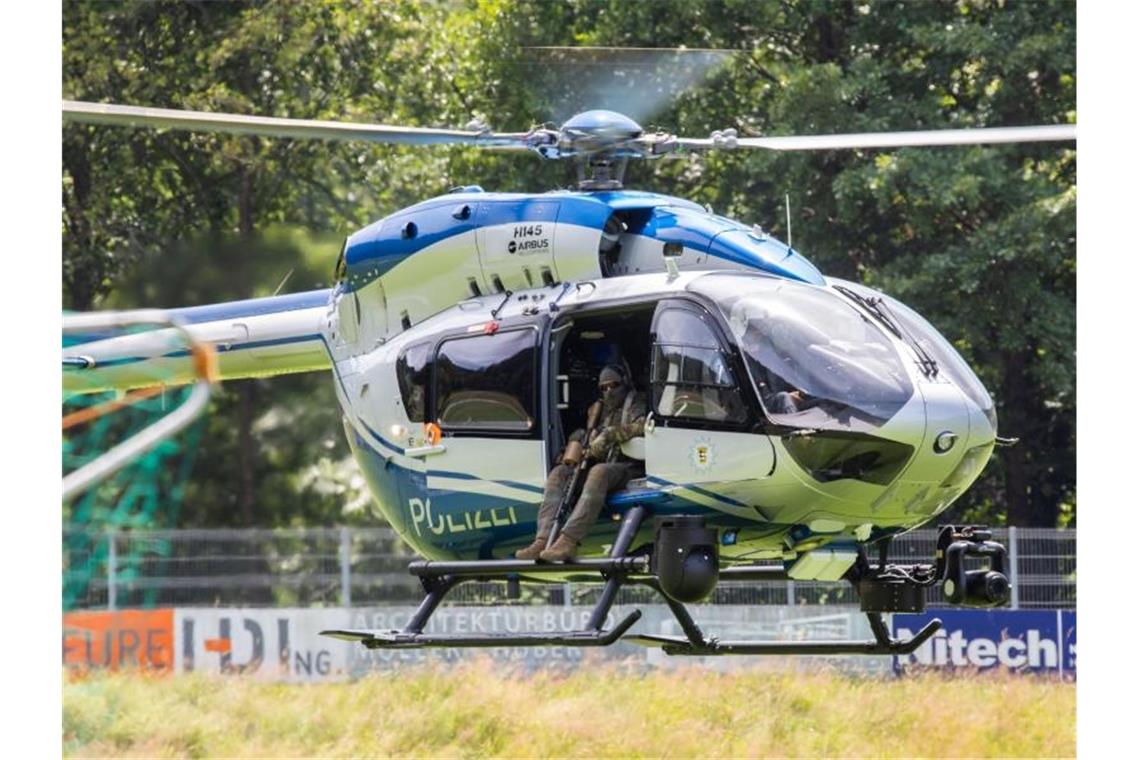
(956, 443)
(947, 423)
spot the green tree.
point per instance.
(980, 240)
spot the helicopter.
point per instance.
(465, 334)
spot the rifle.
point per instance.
(576, 453)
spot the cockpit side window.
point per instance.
(413, 372)
(691, 377)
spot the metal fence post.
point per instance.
(112, 561)
(345, 568)
(791, 590)
(1015, 594)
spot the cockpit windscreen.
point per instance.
(950, 363)
(817, 361)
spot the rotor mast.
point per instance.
(601, 171)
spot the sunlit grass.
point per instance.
(482, 710)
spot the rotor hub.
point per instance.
(603, 126)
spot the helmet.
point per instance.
(612, 373)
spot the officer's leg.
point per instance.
(602, 479)
(551, 497)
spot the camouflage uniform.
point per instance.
(612, 471)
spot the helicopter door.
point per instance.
(699, 430)
(516, 243)
(491, 464)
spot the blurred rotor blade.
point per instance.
(637, 82)
(268, 126)
(1048, 133)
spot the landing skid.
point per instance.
(695, 644)
(439, 578)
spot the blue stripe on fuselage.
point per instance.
(376, 249)
(220, 348)
(216, 312)
(741, 247)
(252, 307)
(373, 251)
(468, 476)
(345, 406)
(384, 441)
(696, 489)
(631, 200)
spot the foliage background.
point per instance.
(980, 240)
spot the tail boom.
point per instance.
(253, 338)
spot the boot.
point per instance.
(563, 550)
(532, 551)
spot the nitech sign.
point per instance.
(1034, 640)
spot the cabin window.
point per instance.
(413, 372)
(692, 379)
(487, 383)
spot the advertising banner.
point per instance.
(724, 621)
(285, 644)
(118, 639)
(279, 644)
(1035, 641)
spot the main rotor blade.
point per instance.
(1049, 133)
(268, 126)
(639, 82)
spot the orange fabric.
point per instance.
(205, 362)
(94, 412)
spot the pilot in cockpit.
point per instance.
(622, 418)
(777, 394)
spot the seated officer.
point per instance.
(622, 418)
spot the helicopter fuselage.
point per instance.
(790, 411)
(477, 312)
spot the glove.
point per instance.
(572, 455)
(600, 446)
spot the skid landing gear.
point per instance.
(696, 643)
(883, 588)
(438, 578)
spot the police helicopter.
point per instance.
(796, 422)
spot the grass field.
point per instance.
(480, 710)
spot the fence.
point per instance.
(352, 567)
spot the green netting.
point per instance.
(146, 493)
